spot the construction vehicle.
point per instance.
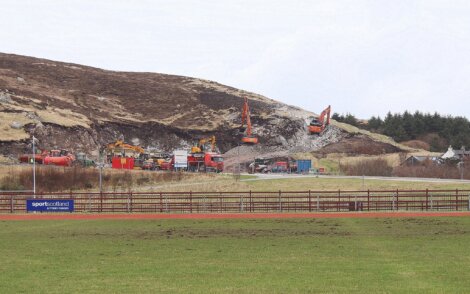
(260, 165)
(202, 145)
(205, 159)
(125, 156)
(59, 157)
(124, 149)
(149, 165)
(38, 157)
(248, 137)
(206, 162)
(318, 125)
(83, 160)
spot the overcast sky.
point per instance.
(363, 57)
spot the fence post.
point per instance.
(191, 201)
(355, 202)
(318, 202)
(431, 201)
(368, 200)
(241, 202)
(456, 199)
(469, 201)
(309, 201)
(397, 202)
(280, 203)
(101, 201)
(427, 199)
(339, 200)
(161, 203)
(166, 204)
(12, 207)
(129, 202)
(251, 202)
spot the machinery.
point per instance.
(206, 162)
(125, 156)
(202, 159)
(38, 157)
(248, 137)
(124, 149)
(318, 125)
(202, 145)
(59, 157)
(260, 165)
(84, 161)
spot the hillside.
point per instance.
(81, 108)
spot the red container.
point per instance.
(123, 162)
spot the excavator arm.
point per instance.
(248, 138)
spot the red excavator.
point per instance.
(248, 137)
(318, 125)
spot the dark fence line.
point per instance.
(249, 201)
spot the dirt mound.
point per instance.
(360, 144)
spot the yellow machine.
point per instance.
(202, 145)
(123, 149)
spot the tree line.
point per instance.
(437, 130)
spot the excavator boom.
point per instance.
(248, 137)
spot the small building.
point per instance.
(459, 154)
(420, 160)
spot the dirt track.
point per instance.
(229, 215)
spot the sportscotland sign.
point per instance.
(57, 205)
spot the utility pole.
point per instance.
(238, 162)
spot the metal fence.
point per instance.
(249, 201)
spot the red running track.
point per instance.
(38, 216)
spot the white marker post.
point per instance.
(34, 168)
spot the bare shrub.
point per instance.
(368, 167)
(430, 170)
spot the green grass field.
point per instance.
(332, 184)
(412, 255)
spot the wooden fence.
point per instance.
(249, 201)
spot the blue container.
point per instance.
(304, 165)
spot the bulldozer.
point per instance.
(248, 137)
(318, 125)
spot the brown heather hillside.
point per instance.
(81, 108)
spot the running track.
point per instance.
(197, 216)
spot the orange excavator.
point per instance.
(318, 125)
(248, 137)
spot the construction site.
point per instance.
(69, 115)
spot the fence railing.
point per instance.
(249, 201)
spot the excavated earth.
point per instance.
(81, 108)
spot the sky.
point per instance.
(362, 57)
